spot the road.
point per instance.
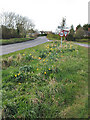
(5, 49)
(81, 44)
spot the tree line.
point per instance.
(81, 32)
(14, 25)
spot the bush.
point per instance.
(70, 37)
(80, 33)
(8, 33)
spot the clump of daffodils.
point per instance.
(39, 58)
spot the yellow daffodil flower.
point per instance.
(18, 74)
(39, 58)
(45, 73)
(19, 83)
(51, 48)
(15, 75)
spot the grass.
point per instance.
(88, 43)
(14, 40)
(46, 81)
(82, 40)
(54, 37)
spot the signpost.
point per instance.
(61, 34)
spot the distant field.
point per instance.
(13, 40)
(46, 81)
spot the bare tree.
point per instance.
(8, 19)
(16, 24)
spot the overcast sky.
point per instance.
(47, 14)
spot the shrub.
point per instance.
(70, 37)
(80, 33)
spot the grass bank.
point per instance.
(88, 43)
(54, 37)
(14, 40)
(46, 81)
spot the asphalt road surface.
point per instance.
(5, 49)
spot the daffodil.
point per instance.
(18, 74)
(39, 58)
(51, 49)
(15, 75)
(37, 68)
(45, 73)
(19, 83)
(23, 54)
(44, 60)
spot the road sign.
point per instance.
(61, 34)
(65, 33)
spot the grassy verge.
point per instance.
(14, 40)
(46, 81)
(88, 43)
(81, 40)
(54, 37)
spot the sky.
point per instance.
(47, 14)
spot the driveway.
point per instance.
(81, 44)
(5, 49)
